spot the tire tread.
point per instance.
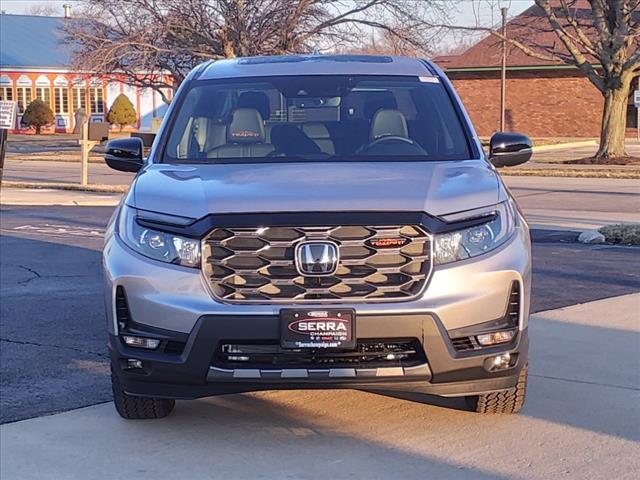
(505, 401)
(139, 408)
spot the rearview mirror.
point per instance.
(125, 154)
(508, 149)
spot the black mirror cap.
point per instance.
(125, 154)
(508, 149)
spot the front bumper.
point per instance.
(174, 302)
(194, 373)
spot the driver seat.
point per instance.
(388, 122)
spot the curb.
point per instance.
(62, 203)
(65, 187)
(17, 159)
(48, 198)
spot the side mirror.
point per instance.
(509, 149)
(125, 154)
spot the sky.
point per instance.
(468, 10)
(465, 12)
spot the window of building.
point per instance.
(97, 100)
(23, 97)
(80, 98)
(44, 94)
(61, 100)
(6, 93)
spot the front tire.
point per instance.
(139, 408)
(505, 401)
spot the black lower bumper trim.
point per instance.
(188, 374)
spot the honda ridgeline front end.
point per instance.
(306, 222)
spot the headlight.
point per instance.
(161, 246)
(473, 241)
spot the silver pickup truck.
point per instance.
(315, 222)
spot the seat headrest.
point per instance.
(246, 127)
(374, 101)
(388, 122)
(257, 100)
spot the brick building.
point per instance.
(34, 63)
(543, 98)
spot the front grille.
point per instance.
(257, 264)
(368, 353)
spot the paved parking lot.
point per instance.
(53, 329)
(581, 420)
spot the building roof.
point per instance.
(32, 41)
(532, 29)
(316, 65)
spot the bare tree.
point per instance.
(611, 36)
(143, 40)
(43, 9)
(599, 37)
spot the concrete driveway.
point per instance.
(581, 420)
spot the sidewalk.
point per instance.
(584, 391)
(51, 197)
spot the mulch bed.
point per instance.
(604, 161)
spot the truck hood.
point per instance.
(437, 188)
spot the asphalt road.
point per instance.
(52, 326)
(577, 203)
(553, 202)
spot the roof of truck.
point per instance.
(315, 65)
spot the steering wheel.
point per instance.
(393, 138)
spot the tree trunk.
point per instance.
(38, 129)
(614, 123)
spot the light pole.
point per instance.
(503, 70)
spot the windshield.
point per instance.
(306, 118)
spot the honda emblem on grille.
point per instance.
(317, 259)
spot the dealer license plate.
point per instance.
(317, 328)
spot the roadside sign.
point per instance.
(636, 98)
(7, 119)
(7, 114)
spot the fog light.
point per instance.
(133, 363)
(495, 338)
(499, 362)
(141, 342)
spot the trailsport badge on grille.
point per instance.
(316, 258)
